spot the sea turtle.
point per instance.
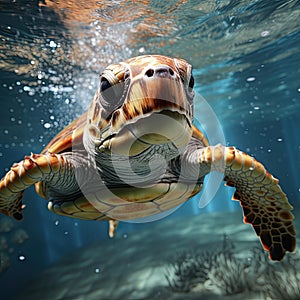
(136, 153)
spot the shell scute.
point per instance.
(68, 137)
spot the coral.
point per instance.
(10, 237)
(6, 224)
(221, 272)
(19, 236)
(4, 262)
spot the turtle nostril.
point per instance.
(160, 71)
(150, 73)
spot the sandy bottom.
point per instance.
(133, 266)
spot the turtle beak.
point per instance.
(164, 127)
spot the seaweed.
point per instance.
(222, 272)
(283, 280)
(186, 273)
(189, 270)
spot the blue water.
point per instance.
(246, 58)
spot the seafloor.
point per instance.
(134, 266)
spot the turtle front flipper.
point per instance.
(264, 204)
(34, 168)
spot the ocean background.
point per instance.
(246, 60)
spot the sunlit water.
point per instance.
(246, 65)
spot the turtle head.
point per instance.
(144, 101)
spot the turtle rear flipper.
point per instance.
(264, 204)
(34, 168)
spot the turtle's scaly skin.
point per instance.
(264, 204)
(143, 111)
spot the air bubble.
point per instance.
(279, 139)
(21, 257)
(47, 125)
(250, 79)
(52, 44)
(265, 33)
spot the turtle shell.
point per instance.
(70, 136)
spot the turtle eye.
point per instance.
(111, 90)
(104, 85)
(191, 83)
(107, 90)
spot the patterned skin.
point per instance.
(136, 153)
